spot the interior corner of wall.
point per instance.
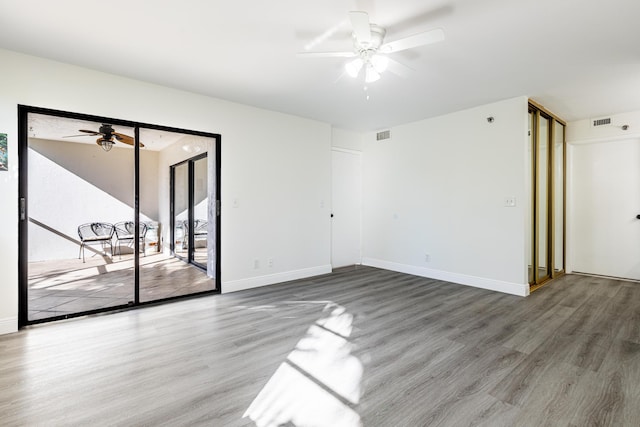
(512, 288)
(272, 279)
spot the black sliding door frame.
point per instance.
(23, 209)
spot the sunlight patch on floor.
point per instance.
(319, 384)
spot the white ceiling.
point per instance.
(579, 59)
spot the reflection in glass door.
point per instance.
(542, 198)
(529, 168)
(558, 197)
(193, 211)
(546, 147)
(180, 202)
(199, 231)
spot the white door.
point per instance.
(346, 205)
(605, 233)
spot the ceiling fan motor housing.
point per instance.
(377, 37)
(106, 129)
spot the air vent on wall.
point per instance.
(385, 134)
(602, 122)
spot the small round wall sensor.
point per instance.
(625, 127)
(490, 119)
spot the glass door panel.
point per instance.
(558, 197)
(542, 198)
(80, 188)
(181, 210)
(175, 198)
(201, 210)
(529, 173)
(153, 273)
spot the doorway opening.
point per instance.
(192, 206)
(95, 214)
(346, 207)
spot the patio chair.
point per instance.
(95, 232)
(199, 231)
(125, 232)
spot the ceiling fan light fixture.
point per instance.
(353, 67)
(371, 75)
(370, 49)
(380, 63)
(106, 144)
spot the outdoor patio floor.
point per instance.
(63, 287)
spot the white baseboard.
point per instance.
(270, 279)
(8, 325)
(462, 279)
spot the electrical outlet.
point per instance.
(270, 262)
(256, 264)
(427, 257)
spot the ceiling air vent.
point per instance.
(602, 122)
(385, 134)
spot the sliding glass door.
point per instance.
(80, 186)
(99, 214)
(174, 210)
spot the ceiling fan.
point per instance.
(370, 51)
(108, 137)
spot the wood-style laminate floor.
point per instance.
(360, 346)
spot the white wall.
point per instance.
(438, 186)
(582, 131)
(276, 168)
(347, 139)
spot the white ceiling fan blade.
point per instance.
(416, 40)
(361, 26)
(398, 68)
(318, 40)
(326, 54)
